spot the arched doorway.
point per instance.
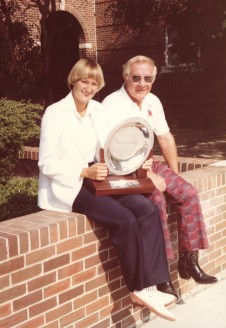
(63, 34)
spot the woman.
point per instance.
(72, 133)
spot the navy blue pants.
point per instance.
(135, 230)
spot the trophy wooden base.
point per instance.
(134, 183)
(115, 185)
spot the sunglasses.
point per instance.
(147, 79)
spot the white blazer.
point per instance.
(61, 158)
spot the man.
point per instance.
(134, 99)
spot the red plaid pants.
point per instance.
(191, 227)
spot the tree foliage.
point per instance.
(138, 14)
(19, 125)
(19, 53)
(24, 64)
(202, 23)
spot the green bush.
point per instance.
(18, 197)
(19, 126)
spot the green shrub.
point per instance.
(19, 126)
(18, 197)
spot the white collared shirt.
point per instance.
(87, 135)
(120, 107)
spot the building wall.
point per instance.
(83, 11)
(110, 46)
(115, 46)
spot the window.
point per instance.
(181, 52)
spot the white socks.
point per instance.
(148, 289)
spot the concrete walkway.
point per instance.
(205, 307)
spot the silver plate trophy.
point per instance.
(126, 148)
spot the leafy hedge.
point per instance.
(18, 197)
(19, 126)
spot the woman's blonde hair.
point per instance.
(86, 68)
(137, 59)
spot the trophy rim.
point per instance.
(147, 144)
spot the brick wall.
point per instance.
(115, 45)
(84, 13)
(59, 270)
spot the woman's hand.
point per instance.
(148, 164)
(97, 171)
(157, 180)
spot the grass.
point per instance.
(18, 197)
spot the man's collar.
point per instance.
(125, 93)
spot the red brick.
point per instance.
(40, 255)
(85, 299)
(90, 237)
(88, 321)
(83, 276)
(72, 227)
(69, 244)
(27, 300)
(214, 237)
(23, 241)
(42, 307)
(95, 283)
(112, 264)
(95, 259)
(57, 262)
(12, 243)
(115, 274)
(120, 293)
(70, 294)
(34, 323)
(4, 281)
(70, 270)
(89, 224)
(80, 222)
(52, 325)
(5, 310)
(53, 231)
(34, 239)
(109, 287)
(57, 288)
(61, 311)
(102, 324)
(83, 252)
(221, 226)
(13, 320)
(119, 316)
(12, 293)
(97, 305)
(221, 260)
(72, 317)
(3, 248)
(41, 281)
(26, 273)
(63, 229)
(44, 236)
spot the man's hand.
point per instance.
(157, 180)
(97, 171)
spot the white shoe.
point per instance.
(168, 299)
(154, 302)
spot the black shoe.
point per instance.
(188, 267)
(167, 287)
